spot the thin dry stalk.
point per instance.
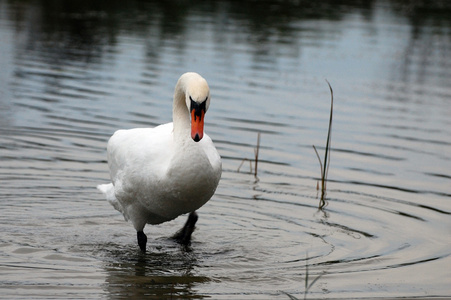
(307, 285)
(242, 162)
(256, 153)
(325, 166)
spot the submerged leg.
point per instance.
(183, 236)
(142, 240)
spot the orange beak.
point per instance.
(197, 124)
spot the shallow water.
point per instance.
(73, 73)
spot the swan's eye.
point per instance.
(195, 101)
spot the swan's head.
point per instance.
(197, 98)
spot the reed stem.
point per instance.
(256, 151)
(325, 166)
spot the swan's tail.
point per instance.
(108, 190)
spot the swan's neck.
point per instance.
(180, 116)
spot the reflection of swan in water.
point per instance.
(160, 173)
(165, 275)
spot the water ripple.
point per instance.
(73, 75)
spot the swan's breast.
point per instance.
(194, 173)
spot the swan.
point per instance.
(160, 173)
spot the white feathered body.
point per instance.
(156, 178)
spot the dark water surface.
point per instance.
(72, 72)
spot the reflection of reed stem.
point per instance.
(325, 166)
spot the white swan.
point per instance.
(160, 173)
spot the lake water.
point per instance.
(72, 72)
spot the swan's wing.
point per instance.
(140, 150)
(108, 190)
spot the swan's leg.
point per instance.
(142, 240)
(183, 236)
